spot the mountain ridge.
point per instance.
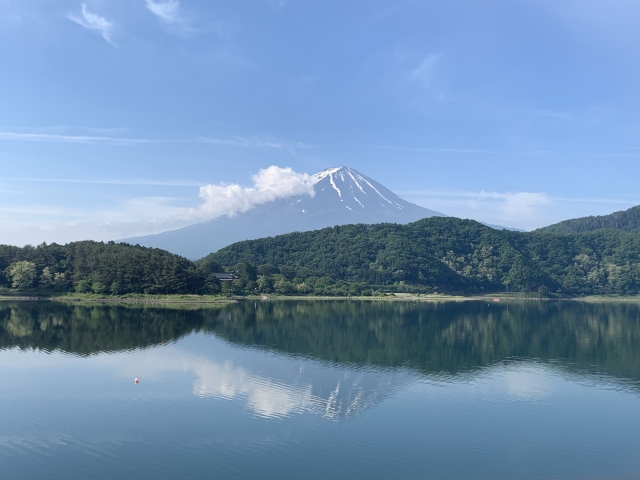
(625, 220)
(442, 254)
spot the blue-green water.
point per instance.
(279, 390)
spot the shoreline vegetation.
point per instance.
(498, 297)
(434, 258)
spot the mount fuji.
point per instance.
(342, 196)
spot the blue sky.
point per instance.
(114, 113)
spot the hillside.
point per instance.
(342, 196)
(627, 221)
(439, 254)
(106, 268)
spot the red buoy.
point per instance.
(137, 381)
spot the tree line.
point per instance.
(104, 268)
(437, 254)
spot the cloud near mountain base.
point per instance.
(269, 184)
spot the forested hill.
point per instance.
(627, 220)
(441, 254)
(98, 267)
(432, 255)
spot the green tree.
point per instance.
(60, 281)
(46, 279)
(83, 286)
(23, 275)
(265, 283)
(284, 287)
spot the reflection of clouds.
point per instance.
(527, 384)
(527, 381)
(333, 393)
(271, 386)
(266, 397)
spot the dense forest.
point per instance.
(105, 268)
(627, 221)
(437, 255)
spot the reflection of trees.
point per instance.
(442, 338)
(92, 329)
(446, 338)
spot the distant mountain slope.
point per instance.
(342, 196)
(627, 221)
(500, 227)
(447, 254)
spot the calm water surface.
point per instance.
(327, 390)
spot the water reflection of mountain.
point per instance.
(443, 339)
(278, 386)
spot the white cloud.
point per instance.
(113, 181)
(57, 138)
(117, 136)
(268, 185)
(93, 21)
(258, 143)
(462, 150)
(517, 205)
(245, 142)
(22, 223)
(525, 210)
(167, 12)
(170, 14)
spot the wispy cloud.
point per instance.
(526, 210)
(58, 135)
(559, 115)
(516, 205)
(423, 72)
(94, 22)
(464, 150)
(56, 138)
(244, 142)
(167, 12)
(258, 143)
(116, 181)
(170, 14)
(482, 194)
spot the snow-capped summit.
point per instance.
(344, 188)
(342, 196)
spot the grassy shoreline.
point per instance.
(220, 299)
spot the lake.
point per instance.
(320, 390)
